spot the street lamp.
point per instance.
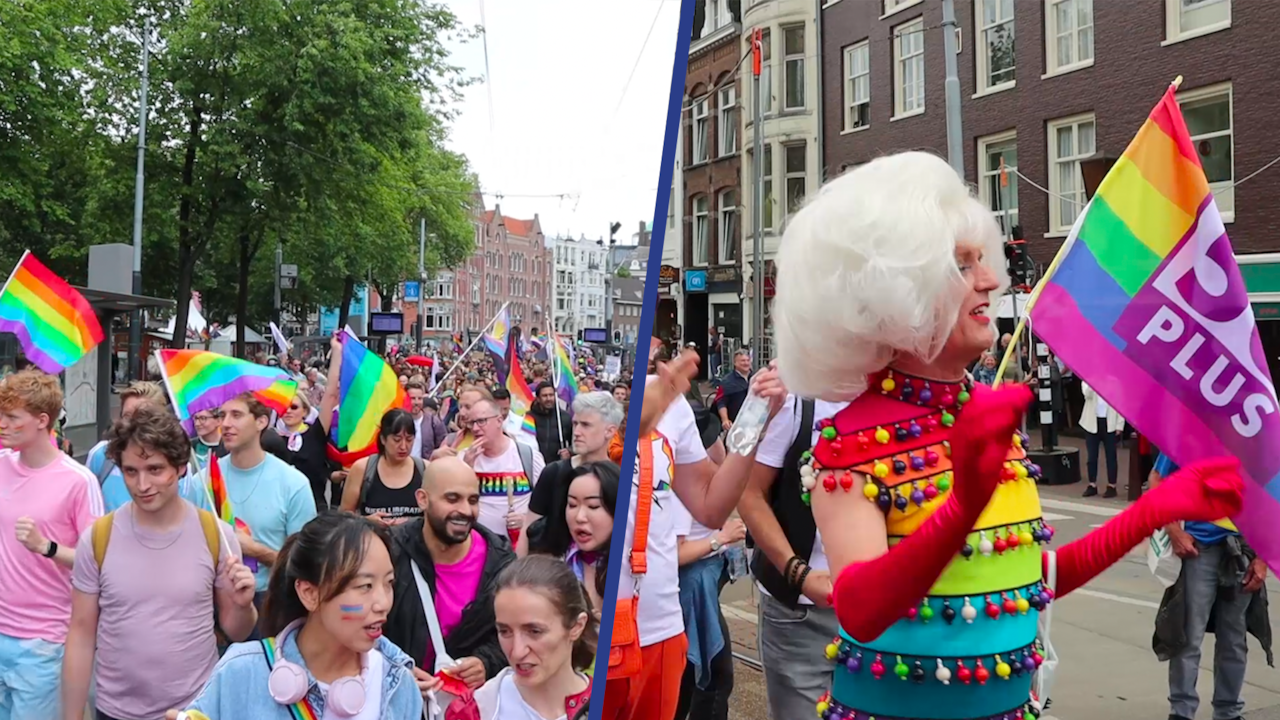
(610, 269)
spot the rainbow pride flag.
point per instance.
(367, 389)
(1148, 306)
(222, 504)
(562, 375)
(200, 380)
(521, 397)
(53, 322)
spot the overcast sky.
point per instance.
(557, 70)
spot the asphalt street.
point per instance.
(1102, 633)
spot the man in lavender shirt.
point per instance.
(151, 602)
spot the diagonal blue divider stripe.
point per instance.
(658, 235)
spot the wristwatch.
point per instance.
(53, 549)
(715, 545)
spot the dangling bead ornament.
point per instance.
(943, 674)
(912, 613)
(1000, 544)
(807, 478)
(882, 436)
(917, 673)
(870, 491)
(877, 667)
(900, 501)
(854, 664)
(888, 384)
(968, 612)
(832, 650)
(846, 481)
(926, 612)
(1025, 538)
(944, 483)
(967, 551)
(926, 395)
(880, 470)
(1002, 668)
(963, 673)
(1021, 602)
(1010, 607)
(900, 669)
(829, 482)
(1011, 539)
(992, 610)
(981, 674)
(984, 545)
(948, 612)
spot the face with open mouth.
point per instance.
(355, 617)
(973, 331)
(590, 523)
(532, 632)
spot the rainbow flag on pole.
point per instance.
(53, 322)
(563, 364)
(200, 380)
(367, 389)
(1146, 304)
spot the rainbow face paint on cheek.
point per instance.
(351, 612)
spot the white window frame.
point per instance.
(769, 220)
(889, 7)
(985, 173)
(790, 59)
(857, 85)
(1059, 225)
(727, 207)
(727, 120)
(801, 175)
(701, 131)
(1174, 15)
(913, 29)
(1052, 33)
(983, 48)
(701, 231)
(766, 72)
(1224, 192)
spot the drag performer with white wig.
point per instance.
(921, 488)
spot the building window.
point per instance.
(893, 6)
(1208, 112)
(908, 66)
(444, 289)
(1070, 141)
(767, 169)
(727, 125)
(1068, 34)
(795, 159)
(1190, 18)
(728, 204)
(671, 208)
(701, 237)
(793, 61)
(1003, 200)
(857, 86)
(995, 44)
(701, 132)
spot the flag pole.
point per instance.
(464, 354)
(555, 370)
(14, 272)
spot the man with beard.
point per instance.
(554, 428)
(459, 560)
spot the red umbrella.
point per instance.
(419, 361)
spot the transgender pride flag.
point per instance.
(1148, 306)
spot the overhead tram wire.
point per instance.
(627, 85)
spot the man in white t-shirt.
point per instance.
(507, 470)
(680, 466)
(793, 633)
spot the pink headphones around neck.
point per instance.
(288, 682)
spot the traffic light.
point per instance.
(579, 336)
(1019, 263)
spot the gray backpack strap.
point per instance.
(370, 470)
(420, 466)
(526, 461)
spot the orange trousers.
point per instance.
(654, 693)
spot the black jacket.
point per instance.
(733, 393)
(548, 435)
(476, 635)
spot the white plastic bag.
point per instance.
(1042, 684)
(1163, 563)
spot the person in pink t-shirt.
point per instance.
(47, 501)
(459, 560)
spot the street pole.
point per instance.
(955, 140)
(135, 320)
(422, 277)
(275, 306)
(757, 217)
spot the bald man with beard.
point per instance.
(460, 561)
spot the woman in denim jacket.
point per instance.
(330, 591)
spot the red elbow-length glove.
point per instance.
(1208, 490)
(871, 596)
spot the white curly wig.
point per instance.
(867, 271)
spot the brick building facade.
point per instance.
(712, 200)
(1079, 81)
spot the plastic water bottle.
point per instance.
(747, 428)
(736, 558)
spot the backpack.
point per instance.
(104, 470)
(102, 535)
(371, 469)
